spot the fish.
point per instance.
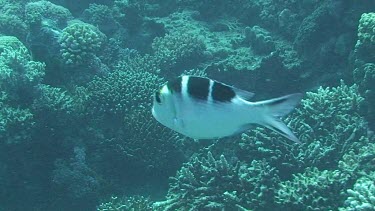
(203, 108)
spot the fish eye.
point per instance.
(157, 97)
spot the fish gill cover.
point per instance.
(76, 86)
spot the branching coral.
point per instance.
(328, 125)
(175, 49)
(39, 11)
(19, 75)
(119, 106)
(16, 124)
(11, 19)
(101, 16)
(312, 190)
(364, 75)
(359, 162)
(206, 183)
(139, 203)
(362, 195)
(75, 176)
(122, 91)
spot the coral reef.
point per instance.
(100, 16)
(174, 50)
(39, 11)
(206, 183)
(76, 86)
(11, 19)
(122, 91)
(364, 72)
(19, 75)
(362, 196)
(328, 125)
(16, 125)
(366, 37)
(80, 42)
(139, 203)
(312, 190)
(75, 176)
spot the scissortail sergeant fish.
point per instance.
(202, 108)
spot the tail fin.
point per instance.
(276, 108)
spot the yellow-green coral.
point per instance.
(79, 42)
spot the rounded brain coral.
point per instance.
(79, 42)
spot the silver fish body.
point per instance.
(202, 108)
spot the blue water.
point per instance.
(77, 80)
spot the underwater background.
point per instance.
(76, 86)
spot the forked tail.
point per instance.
(274, 109)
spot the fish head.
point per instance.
(163, 108)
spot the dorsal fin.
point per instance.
(243, 94)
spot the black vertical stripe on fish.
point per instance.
(198, 87)
(222, 93)
(175, 86)
(157, 97)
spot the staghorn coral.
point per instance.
(312, 190)
(79, 43)
(206, 183)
